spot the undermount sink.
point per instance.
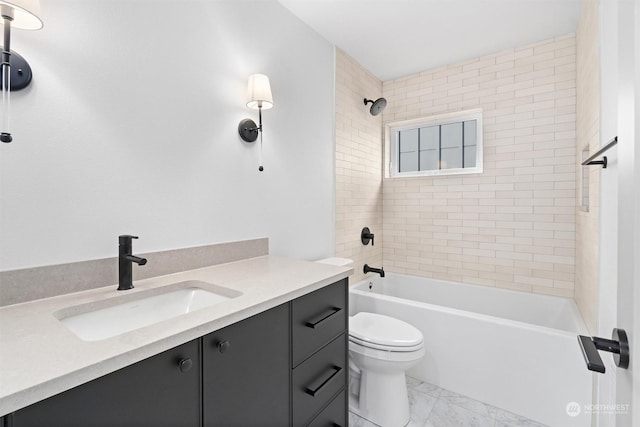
(108, 318)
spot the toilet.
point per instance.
(381, 349)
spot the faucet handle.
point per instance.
(125, 239)
(366, 235)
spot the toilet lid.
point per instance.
(383, 330)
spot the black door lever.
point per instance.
(618, 345)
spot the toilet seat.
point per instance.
(374, 346)
(384, 333)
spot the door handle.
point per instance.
(618, 345)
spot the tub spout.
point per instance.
(368, 269)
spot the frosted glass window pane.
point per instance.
(428, 160)
(470, 133)
(408, 162)
(430, 138)
(451, 135)
(408, 140)
(451, 157)
(469, 156)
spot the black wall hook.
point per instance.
(618, 345)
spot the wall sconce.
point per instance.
(259, 98)
(14, 70)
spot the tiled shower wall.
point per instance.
(358, 164)
(588, 137)
(514, 225)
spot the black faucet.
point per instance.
(368, 269)
(125, 262)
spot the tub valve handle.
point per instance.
(618, 345)
(365, 236)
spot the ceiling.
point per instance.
(394, 38)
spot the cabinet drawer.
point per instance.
(318, 379)
(318, 317)
(334, 415)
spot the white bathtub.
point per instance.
(514, 350)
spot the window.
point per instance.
(438, 145)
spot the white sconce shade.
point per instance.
(259, 92)
(23, 12)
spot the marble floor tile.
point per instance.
(412, 382)
(508, 419)
(432, 406)
(420, 407)
(426, 388)
(356, 421)
(468, 403)
(445, 414)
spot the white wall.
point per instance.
(130, 126)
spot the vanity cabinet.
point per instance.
(319, 355)
(246, 372)
(283, 367)
(163, 390)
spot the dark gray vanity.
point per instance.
(286, 366)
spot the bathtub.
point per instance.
(514, 350)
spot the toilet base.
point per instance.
(381, 359)
(383, 399)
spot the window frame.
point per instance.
(392, 146)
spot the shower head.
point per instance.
(377, 107)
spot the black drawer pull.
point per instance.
(316, 321)
(318, 384)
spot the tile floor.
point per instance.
(432, 406)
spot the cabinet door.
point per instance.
(163, 390)
(246, 371)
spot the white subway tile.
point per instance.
(475, 224)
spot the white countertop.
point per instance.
(40, 357)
